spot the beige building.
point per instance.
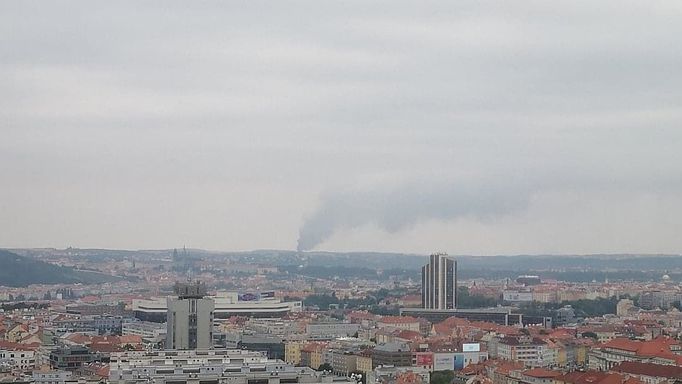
(545, 296)
(624, 307)
(292, 352)
(363, 363)
(316, 359)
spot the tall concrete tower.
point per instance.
(190, 318)
(439, 282)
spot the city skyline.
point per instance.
(354, 192)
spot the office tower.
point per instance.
(190, 318)
(439, 282)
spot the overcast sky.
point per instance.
(469, 127)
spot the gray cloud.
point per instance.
(226, 125)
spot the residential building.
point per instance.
(408, 323)
(663, 351)
(208, 366)
(18, 358)
(625, 307)
(149, 331)
(330, 330)
(531, 351)
(52, 377)
(343, 362)
(363, 362)
(292, 352)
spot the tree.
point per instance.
(325, 367)
(442, 377)
(466, 300)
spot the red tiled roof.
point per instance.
(623, 344)
(130, 339)
(8, 345)
(508, 366)
(78, 338)
(541, 373)
(409, 335)
(649, 369)
(398, 320)
(659, 347)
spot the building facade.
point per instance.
(439, 282)
(208, 366)
(190, 318)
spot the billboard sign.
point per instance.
(471, 347)
(443, 361)
(424, 359)
(249, 296)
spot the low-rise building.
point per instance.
(363, 362)
(330, 330)
(208, 366)
(650, 373)
(531, 351)
(408, 323)
(292, 352)
(149, 331)
(18, 357)
(52, 377)
(394, 354)
(658, 351)
(71, 358)
(399, 375)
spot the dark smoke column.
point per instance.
(439, 282)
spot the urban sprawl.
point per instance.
(181, 317)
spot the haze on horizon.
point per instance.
(470, 127)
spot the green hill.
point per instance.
(20, 271)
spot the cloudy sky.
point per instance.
(470, 127)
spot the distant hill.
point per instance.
(20, 271)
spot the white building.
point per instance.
(226, 304)
(18, 358)
(147, 330)
(331, 330)
(208, 366)
(531, 351)
(190, 318)
(53, 377)
(515, 296)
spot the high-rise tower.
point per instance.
(190, 318)
(439, 282)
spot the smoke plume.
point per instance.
(394, 208)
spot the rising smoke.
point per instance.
(395, 208)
